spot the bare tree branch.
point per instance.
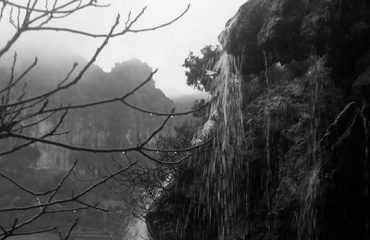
(70, 229)
(12, 84)
(76, 79)
(72, 198)
(127, 28)
(55, 10)
(20, 112)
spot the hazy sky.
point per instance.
(165, 49)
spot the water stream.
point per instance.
(221, 168)
(137, 231)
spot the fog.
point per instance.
(164, 49)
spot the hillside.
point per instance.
(107, 126)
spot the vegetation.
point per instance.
(22, 110)
(200, 69)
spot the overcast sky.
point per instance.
(165, 49)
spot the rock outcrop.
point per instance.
(305, 170)
(107, 126)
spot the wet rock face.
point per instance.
(241, 34)
(306, 121)
(295, 29)
(348, 50)
(361, 87)
(285, 29)
(290, 105)
(280, 33)
(343, 204)
(176, 216)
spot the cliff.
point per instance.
(290, 118)
(107, 126)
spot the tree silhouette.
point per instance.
(20, 112)
(200, 73)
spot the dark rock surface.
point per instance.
(343, 204)
(305, 170)
(295, 29)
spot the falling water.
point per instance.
(365, 120)
(307, 224)
(137, 231)
(222, 175)
(315, 119)
(268, 150)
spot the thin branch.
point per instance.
(24, 189)
(123, 32)
(46, 230)
(11, 78)
(100, 150)
(50, 133)
(71, 229)
(22, 127)
(95, 206)
(2, 9)
(156, 131)
(50, 11)
(73, 198)
(162, 113)
(162, 25)
(163, 162)
(9, 86)
(60, 184)
(178, 150)
(76, 79)
(101, 102)
(67, 210)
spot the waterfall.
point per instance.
(222, 169)
(137, 231)
(268, 147)
(365, 120)
(223, 172)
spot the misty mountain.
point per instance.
(114, 125)
(107, 126)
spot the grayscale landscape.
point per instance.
(184, 120)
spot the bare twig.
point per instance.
(20, 112)
(127, 28)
